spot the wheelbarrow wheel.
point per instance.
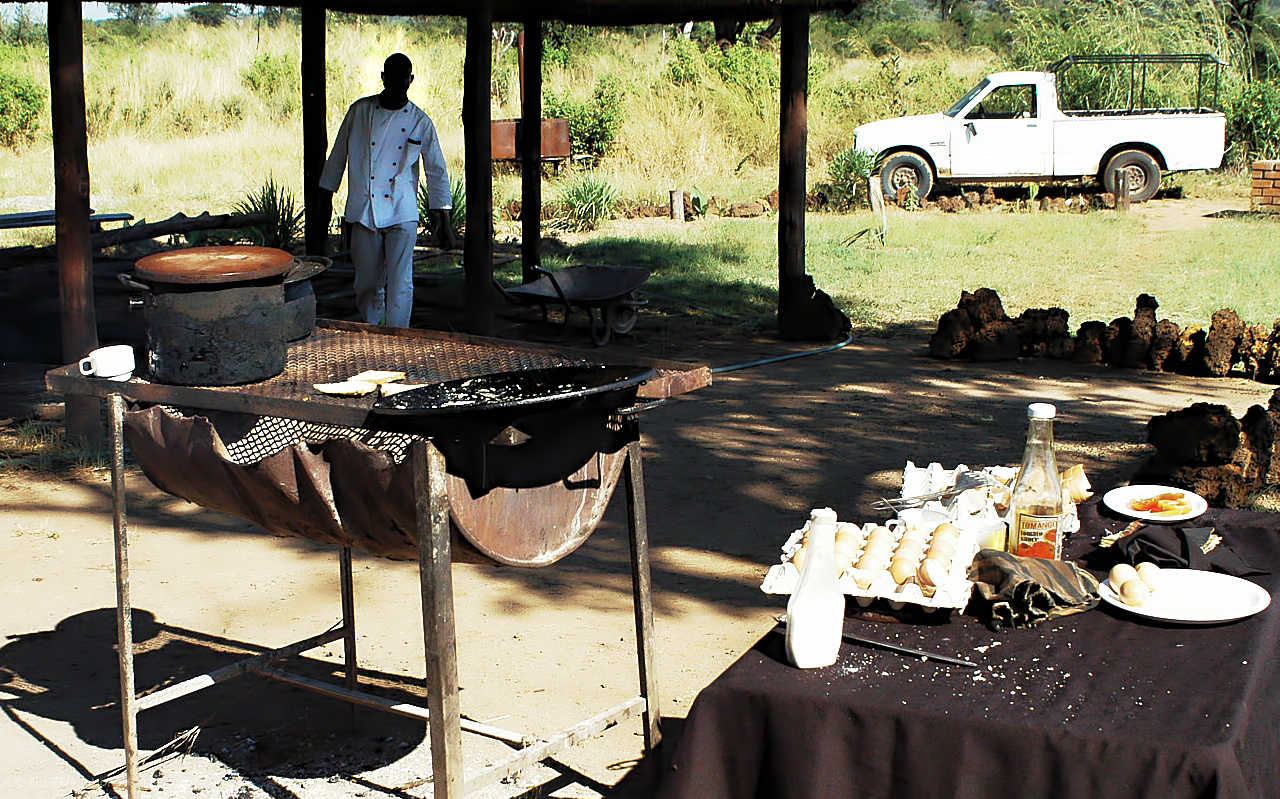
(621, 316)
(600, 330)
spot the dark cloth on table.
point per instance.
(1099, 705)
(1013, 591)
(1183, 548)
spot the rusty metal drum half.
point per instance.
(215, 315)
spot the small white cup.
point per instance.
(114, 362)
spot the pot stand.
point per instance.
(443, 710)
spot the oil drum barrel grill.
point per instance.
(504, 453)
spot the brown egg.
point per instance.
(881, 547)
(909, 549)
(946, 530)
(865, 579)
(880, 534)
(850, 532)
(797, 557)
(902, 570)
(846, 550)
(932, 572)
(872, 562)
(941, 548)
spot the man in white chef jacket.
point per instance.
(381, 140)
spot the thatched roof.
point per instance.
(586, 12)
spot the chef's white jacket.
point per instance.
(382, 148)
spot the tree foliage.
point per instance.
(139, 15)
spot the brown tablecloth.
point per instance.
(1093, 706)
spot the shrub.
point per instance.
(563, 44)
(284, 218)
(850, 170)
(269, 75)
(585, 202)
(210, 15)
(594, 123)
(277, 82)
(1253, 123)
(21, 102)
(685, 64)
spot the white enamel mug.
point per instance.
(114, 362)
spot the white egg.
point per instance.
(1150, 574)
(1120, 574)
(1134, 592)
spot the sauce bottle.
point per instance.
(1035, 507)
(815, 612)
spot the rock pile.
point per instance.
(979, 329)
(1205, 449)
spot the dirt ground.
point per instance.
(730, 471)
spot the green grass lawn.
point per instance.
(1092, 265)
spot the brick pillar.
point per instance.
(1264, 192)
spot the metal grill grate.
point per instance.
(329, 356)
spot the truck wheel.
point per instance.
(906, 169)
(1142, 170)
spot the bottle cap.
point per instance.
(822, 516)
(1041, 410)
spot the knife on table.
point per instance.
(906, 650)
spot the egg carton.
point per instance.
(950, 593)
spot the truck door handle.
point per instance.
(973, 130)
(1031, 124)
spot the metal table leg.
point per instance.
(124, 610)
(436, 575)
(646, 643)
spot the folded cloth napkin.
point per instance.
(1183, 548)
(1014, 591)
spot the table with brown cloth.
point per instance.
(1098, 705)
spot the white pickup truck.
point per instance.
(1009, 128)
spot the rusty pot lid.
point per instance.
(214, 264)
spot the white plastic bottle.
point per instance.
(815, 612)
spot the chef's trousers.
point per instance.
(383, 259)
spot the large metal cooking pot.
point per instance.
(300, 297)
(215, 315)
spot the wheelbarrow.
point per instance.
(606, 293)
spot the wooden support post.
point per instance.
(677, 205)
(315, 137)
(1122, 190)
(477, 137)
(349, 662)
(435, 572)
(641, 590)
(71, 203)
(792, 145)
(124, 609)
(531, 148)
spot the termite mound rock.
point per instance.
(1205, 449)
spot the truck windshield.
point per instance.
(963, 101)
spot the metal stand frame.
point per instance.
(443, 711)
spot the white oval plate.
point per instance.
(1188, 596)
(1118, 500)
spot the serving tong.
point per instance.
(899, 648)
(967, 480)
